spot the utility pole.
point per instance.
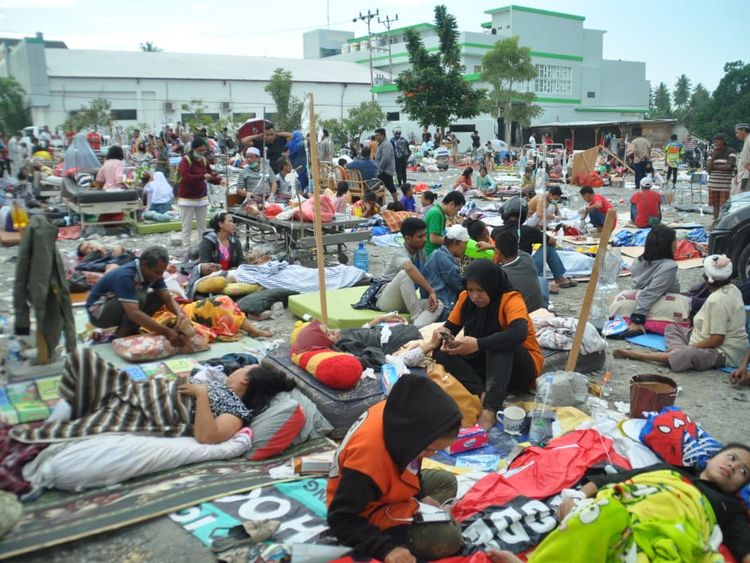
(387, 21)
(368, 17)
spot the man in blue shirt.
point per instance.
(367, 167)
(127, 296)
(443, 272)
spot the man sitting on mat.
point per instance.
(127, 296)
(405, 273)
(718, 337)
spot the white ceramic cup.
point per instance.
(512, 419)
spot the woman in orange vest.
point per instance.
(376, 476)
(499, 352)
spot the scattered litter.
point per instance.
(369, 373)
(622, 407)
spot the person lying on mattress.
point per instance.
(101, 398)
(718, 337)
(654, 513)
(95, 257)
(654, 276)
(376, 476)
(499, 352)
(366, 343)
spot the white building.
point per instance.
(151, 88)
(575, 82)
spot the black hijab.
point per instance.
(479, 322)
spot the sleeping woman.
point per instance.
(104, 399)
(657, 513)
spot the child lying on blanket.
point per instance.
(366, 343)
(718, 337)
(216, 318)
(102, 398)
(654, 513)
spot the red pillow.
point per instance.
(337, 370)
(276, 428)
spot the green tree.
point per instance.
(367, 116)
(197, 118)
(662, 102)
(507, 67)
(729, 104)
(700, 99)
(288, 108)
(14, 114)
(95, 115)
(681, 94)
(432, 90)
(149, 47)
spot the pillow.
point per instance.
(211, 284)
(337, 370)
(275, 428)
(677, 439)
(237, 289)
(671, 308)
(143, 347)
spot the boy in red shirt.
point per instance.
(645, 205)
(596, 208)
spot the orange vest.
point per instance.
(512, 307)
(363, 449)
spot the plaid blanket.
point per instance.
(393, 219)
(105, 399)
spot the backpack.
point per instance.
(402, 148)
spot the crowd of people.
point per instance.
(481, 286)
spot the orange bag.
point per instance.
(327, 210)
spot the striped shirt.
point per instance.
(721, 180)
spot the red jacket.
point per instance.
(192, 184)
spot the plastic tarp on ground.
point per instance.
(539, 473)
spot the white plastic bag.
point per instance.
(564, 388)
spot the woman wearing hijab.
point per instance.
(499, 352)
(79, 155)
(159, 194)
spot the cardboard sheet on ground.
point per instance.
(653, 341)
(630, 253)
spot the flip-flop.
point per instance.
(569, 283)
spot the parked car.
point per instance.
(731, 234)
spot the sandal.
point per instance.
(247, 533)
(567, 284)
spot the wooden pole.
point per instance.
(317, 224)
(618, 159)
(609, 224)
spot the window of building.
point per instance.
(188, 116)
(393, 116)
(462, 127)
(590, 94)
(477, 69)
(328, 52)
(553, 79)
(125, 115)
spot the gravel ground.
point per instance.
(707, 395)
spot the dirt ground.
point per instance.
(707, 396)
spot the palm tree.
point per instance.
(149, 47)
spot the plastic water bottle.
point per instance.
(361, 257)
(14, 354)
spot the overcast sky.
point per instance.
(692, 37)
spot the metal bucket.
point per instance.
(651, 392)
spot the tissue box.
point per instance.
(468, 439)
